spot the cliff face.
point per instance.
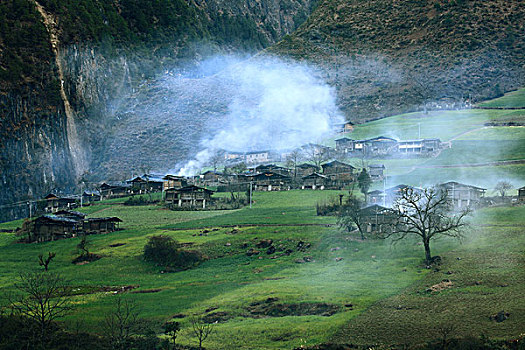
(66, 66)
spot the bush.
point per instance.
(165, 251)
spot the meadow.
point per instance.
(322, 284)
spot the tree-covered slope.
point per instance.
(392, 56)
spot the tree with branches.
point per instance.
(364, 181)
(316, 154)
(291, 161)
(44, 299)
(502, 187)
(45, 262)
(121, 324)
(350, 214)
(427, 214)
(201, 329)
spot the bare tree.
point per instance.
(44, 299)
(216, 160)
(201, 329)
(502, 187)
(316, 154)
(350, 215)
(121, 324)
(426, 213)
(291, 161)
(45, 262)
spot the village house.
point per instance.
(90, 196)
(315, 181)
(270, 181)
(345, 128)
(375, 197)
(345, 145)
(272, 168)
(146, 183)
(419, 146)
(521, 194)
(256, 157)
(174, 181)
(113, 191)
(379, 146)
(52, 227)
(306, 169)
(233, 156)
(188, 197)
(377, 219)
(339, 173)
(55, 203)
(101, 225)
(376, 171)
(462, 195)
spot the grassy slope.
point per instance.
(384, 283)
(515, 99)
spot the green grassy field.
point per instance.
(515, 99)
(351, 291)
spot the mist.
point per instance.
(274, 105)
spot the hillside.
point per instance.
(65, 66)
(389, 57)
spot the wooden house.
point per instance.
(345, 145)
(521, 194)
(375, 197)
(91, 196)
(101, 225)
(377, 219)
(345, 128)
(270, 181)
(174, 181)
(272, 168)
(146, 183)
(52, 227)
(315, 181)
(113, 191)
(380, 145)
(462, 195)
(188, 197)
(376, 171)
(421, 146)
(55, 203)
(306, 169)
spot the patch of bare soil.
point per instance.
(117, 245)
(86, 259)
(272, 308)
(145, 291)
(445, 284)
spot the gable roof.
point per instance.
(455, 183)
(190, 188)
(377, 166)
(315, 175)
(381, 138)
(57, 219)
(337, 163)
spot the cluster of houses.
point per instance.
(377, 216)
(68, 223)
(387, 146)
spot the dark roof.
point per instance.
(91, 193)
(190, 188)
(173, 177)
(211, 172)
(521, 188)
(315, 175)
(307, 166)
(57, 219)
(146, 178)
(109, 219)
(454, 183)
(336, 162)
(376, 192)
(255, 152)
(269, 175)
(50, 196)
(375, 209)
(344, 139)
(376, 166)
(381, 138)
(70, 213)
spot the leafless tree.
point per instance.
(292, 160)
(201, 329)
(502, 187)
(350, 215)
(426, 213)
(45, 262)
(121, 324)
(316, 154)
(44, 299)
(216, 160)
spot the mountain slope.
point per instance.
(387, 57)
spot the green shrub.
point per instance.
(165, 251)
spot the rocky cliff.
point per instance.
(65, 67)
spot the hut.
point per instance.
(113, 191)
(188, 197)
(306, 169)
(174, 181)
(270, 181)
(376, 171)
(344, 145)
(315, 181)
(462, 195)
(52, 227)
(55, 203)
(272, 168)
(380, 145)
(339, 173)
(91, 196)
(521, 194)
(146, 183)
(101, 225)
(377, 219)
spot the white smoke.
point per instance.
(276, 105)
